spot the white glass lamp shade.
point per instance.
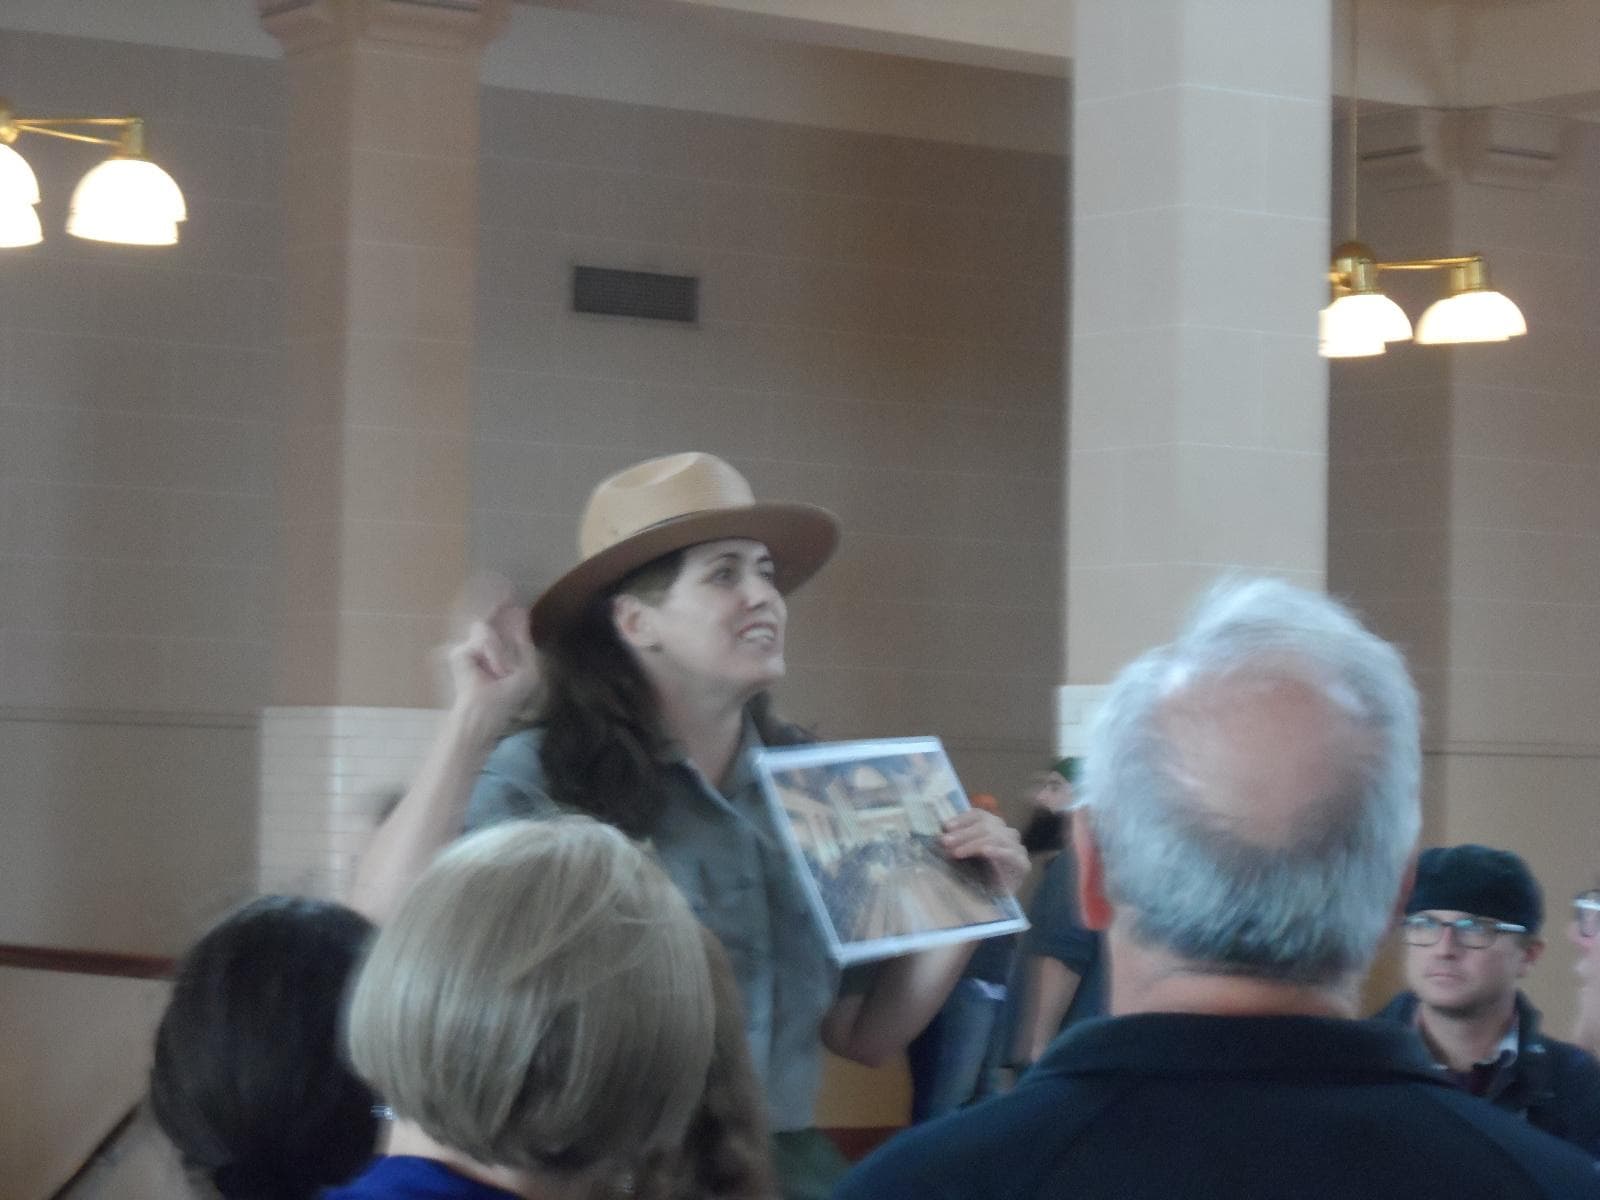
(1477, 316)
(129, 200)
(19, 225)
(1338, 338)
(1366, 315)
(18, 184)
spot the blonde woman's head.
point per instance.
(540, 1001)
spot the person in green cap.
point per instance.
(1052, 797)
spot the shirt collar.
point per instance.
(1505, 1051)
(741, 773)
(1193, 1044)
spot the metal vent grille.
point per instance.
(635, 294)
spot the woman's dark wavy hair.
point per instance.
(249, 1080)
(602, 725)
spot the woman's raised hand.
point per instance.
(492, 665)
(493, 670)
(975, 834)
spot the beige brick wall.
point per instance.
(139, 392)
(881, 331)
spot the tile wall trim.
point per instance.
(1471, 749)
(22, 715)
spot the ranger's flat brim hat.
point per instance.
(672, 503)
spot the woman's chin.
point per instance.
(767, 673)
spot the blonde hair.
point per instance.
(726, 1154)
(540, 1001)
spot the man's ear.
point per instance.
(1531, 950)
(1408, 881)
(634, 621)
(1094, 909)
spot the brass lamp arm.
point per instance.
(1355, 270)
(22, 127)
(1468, 272)
(130, 142)
(1429, 264)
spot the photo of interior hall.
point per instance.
(1027, 292)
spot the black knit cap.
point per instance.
(1478, 880)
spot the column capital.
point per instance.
(1409, 147)
(460, 25)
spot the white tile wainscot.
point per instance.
(1076, 704)
(327, 775)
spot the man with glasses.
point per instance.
(1471, 933)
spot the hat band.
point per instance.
(683, 516)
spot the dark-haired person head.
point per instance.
(249, 1081)
(538, 1015)
(1050, 798)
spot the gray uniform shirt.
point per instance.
(724, 854)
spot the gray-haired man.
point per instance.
(1249, 813)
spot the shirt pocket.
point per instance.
(732, 903)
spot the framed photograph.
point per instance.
(862, 822)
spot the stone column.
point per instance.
(381, 209)
(1198, 404)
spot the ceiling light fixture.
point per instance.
(126, 198)
(1361, 320)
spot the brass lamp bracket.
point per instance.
(129, 142)
(1468, 273)
(1354, 269)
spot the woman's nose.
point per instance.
(759, 590)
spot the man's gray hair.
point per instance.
(1312, 908)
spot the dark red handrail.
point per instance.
(86, 962)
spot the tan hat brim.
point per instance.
(801, 537)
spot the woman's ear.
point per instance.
(634, 621)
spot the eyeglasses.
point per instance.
(1470, 933)
(1586, 913)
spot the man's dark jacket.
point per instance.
(1165, 1105)
(1554, 1085)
